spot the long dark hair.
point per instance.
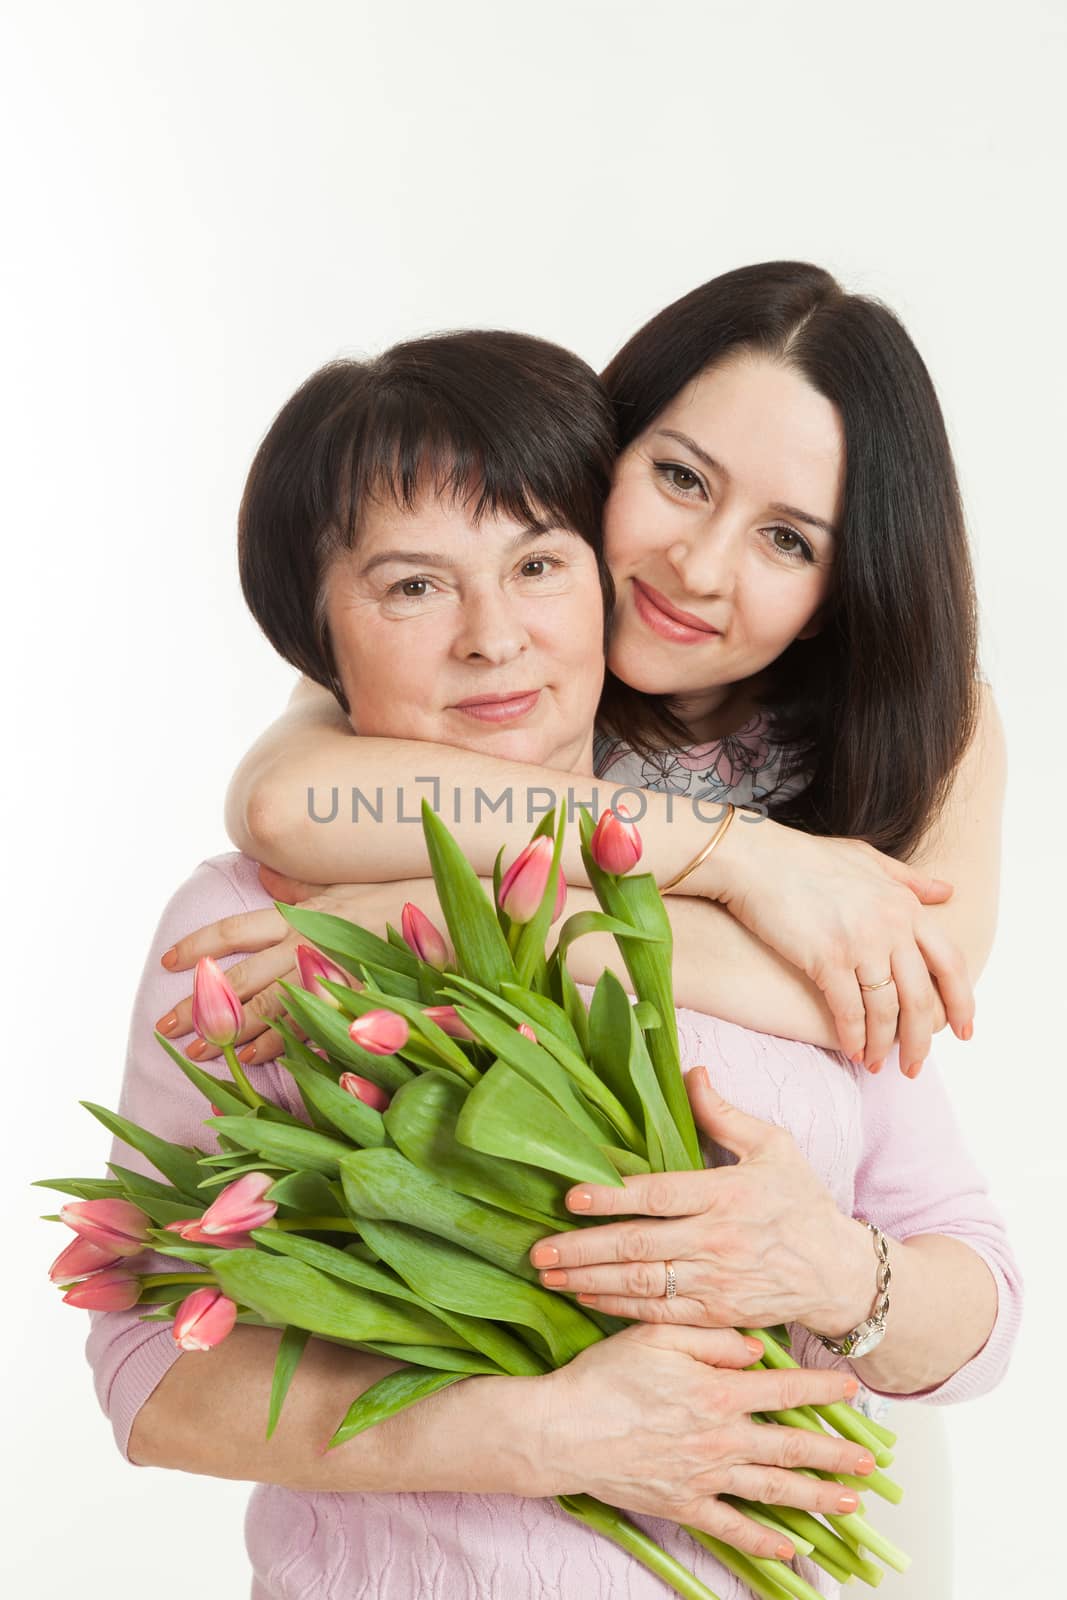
(881, 704)
(516, 424)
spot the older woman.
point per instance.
(489, 454)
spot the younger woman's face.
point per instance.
(725, 511)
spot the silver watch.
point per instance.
(869, 1334)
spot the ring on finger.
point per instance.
(672, 1283)
(880, 985)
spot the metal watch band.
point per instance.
(869, 1333)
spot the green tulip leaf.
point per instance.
(350, 946)
(290, 1350)
(346, 1113)
(389, 1396)
(302, 1149)
(384, 1185)
(505, 1115)
(176, 1162)
(221, 1092)
(329, 1028)
(480, 947)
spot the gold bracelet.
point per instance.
(705, 853)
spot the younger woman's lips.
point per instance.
(665, 626)
(502, 710)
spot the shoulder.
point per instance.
(217, 886)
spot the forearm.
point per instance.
(208, 1415)
(943, 1305)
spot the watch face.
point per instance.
(867, 1341)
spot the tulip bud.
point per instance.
(527, 1032)
(191, 1230)
(522, 887)
(616, 843)
(425, 940)
(313, 966)
(113, 1289)
(115, 1225)
(448, 1020)
(383, 1033)
(217, 1014)
(204, 1319)
(240, 1206)
(561, 897)
(370, 1093)
(79, 1259)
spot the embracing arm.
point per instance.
(760, 960)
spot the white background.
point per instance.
(204, 202)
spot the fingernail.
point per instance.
(851, 1388)
(864, 1465)
(554, 1280)
(580, 1200)
(587, 1299)
(914, 1070)
(246, 1054)
(544, 1255)
(876, 1067)
(755, 1346)
(784, 1552)
(168, 1023)
(857, 1059)
(169, 959)
(967, 1031)
(197, 1048)
(848, 1501)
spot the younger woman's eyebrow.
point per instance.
(717, 466)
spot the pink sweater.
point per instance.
(887, 1149)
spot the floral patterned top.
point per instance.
(748, 767)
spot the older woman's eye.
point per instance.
(546, 563)
(683, 480)
(400, 591)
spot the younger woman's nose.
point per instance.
(704, 564)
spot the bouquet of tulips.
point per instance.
(451, 1099)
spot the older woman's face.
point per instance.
(487, 636)
(725, 510)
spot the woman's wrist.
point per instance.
(852, 1281)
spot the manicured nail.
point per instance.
(851, 1388)
(554, 1280)
(544, 1255)
(581, 1200)
(587, 1299)
(848, 1501)
(784, 1552)
(246, 1054)
(168, 1023)
(864, 1465)
(914, 1070)
(196, 1049)
(169, 959)
(857, 1059)
(967, 1030)
(876, 1067)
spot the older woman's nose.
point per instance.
(490, 628)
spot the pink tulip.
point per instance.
(527, 1032)
(240, 1206)
(79, 1259)
(313, 966)
(370, 1093)
(383, 1033)
(193, 1233)
(204, 1319)
(448, 1020)
(616, 843)
(522, 888)
(217, 1014)
(113, 1289)
(115, 1225)
(425, 940)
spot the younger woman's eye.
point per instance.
(683, 480)
(800, 550)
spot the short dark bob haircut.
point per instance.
(512, 425)
(882, 703)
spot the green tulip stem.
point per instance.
(155, 1278)
(766, 1579)
(620, 1530)
(313, 1225)
(237, 1073)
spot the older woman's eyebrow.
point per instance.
(717, 466)
(435, 558)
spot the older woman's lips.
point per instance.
(505, 708)
(648, 604)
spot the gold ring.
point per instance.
(672, 1286)
(881, 985)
